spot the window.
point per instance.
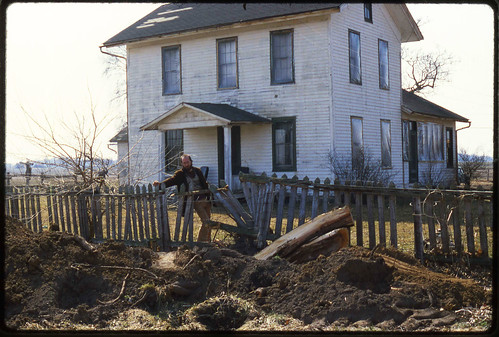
(171, 70)
(357, 142)
(405, 140)
(174, 148)
(450, 146)
(281, 57)
(368, 12)
(284, 144)
(430, 142)
(386, 144)
(383, 64)
(227, 63)
(354, 54)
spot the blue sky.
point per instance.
(55, 68)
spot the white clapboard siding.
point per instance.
(321, 99)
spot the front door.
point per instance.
(413, 152)
(235, 149)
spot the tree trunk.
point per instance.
(319, 225)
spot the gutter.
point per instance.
(126, 94)
(464, 127)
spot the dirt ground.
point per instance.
(58, 281)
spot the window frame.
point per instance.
(272, 75)
(368, 7)
(353, 152)
(163, 70)
(218, 41)
(449, 146)
(384, 122)
(166, 156)
(387, 87)
(283, 167)
(354, 81)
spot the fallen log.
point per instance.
(319, 225)
(323, 245)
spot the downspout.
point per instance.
(126, 95)
(457, 160)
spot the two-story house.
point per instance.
(275, 87)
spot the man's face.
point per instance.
(186, 163)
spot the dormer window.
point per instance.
(368, 12)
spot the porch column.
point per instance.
(228, 155)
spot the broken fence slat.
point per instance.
(280, 210)
(291, 209)
(370, 221)
(303, 205)
(381, 219)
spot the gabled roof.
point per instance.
(412, 103)
(121, 137)
(225, 113)
(183, 17)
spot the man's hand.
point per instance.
(155, 183)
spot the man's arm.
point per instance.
(173, 180)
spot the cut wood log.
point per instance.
(323, 245)
(322, 224)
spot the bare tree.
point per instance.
(425, 70)
(365, 168)
(116, 70)
(76, 149)
(470, 165)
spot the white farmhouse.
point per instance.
(278, 88)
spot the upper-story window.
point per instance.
(354, 55)
(383, 64)
(368, 12)
(171, 70)
(227, 63)
(281, 57)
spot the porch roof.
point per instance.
(194, 115)
(412, 103)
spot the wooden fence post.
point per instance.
(139, 209)
(370, 218)
(482, 225)
(381, 219)
(393, 217)
(291, 205)
(470, 238)
(431, 221)
(165, 238)
(418, 228)
(303, 202)
(358, 216)
(280, 209)
(151, 211)
(315, 198)
(119, 223)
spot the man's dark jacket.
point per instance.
(180, 177)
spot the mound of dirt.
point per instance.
(58, 281)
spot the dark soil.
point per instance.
(53, 277)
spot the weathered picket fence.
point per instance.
(137, 215)
(272, 207)
(441, 212)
